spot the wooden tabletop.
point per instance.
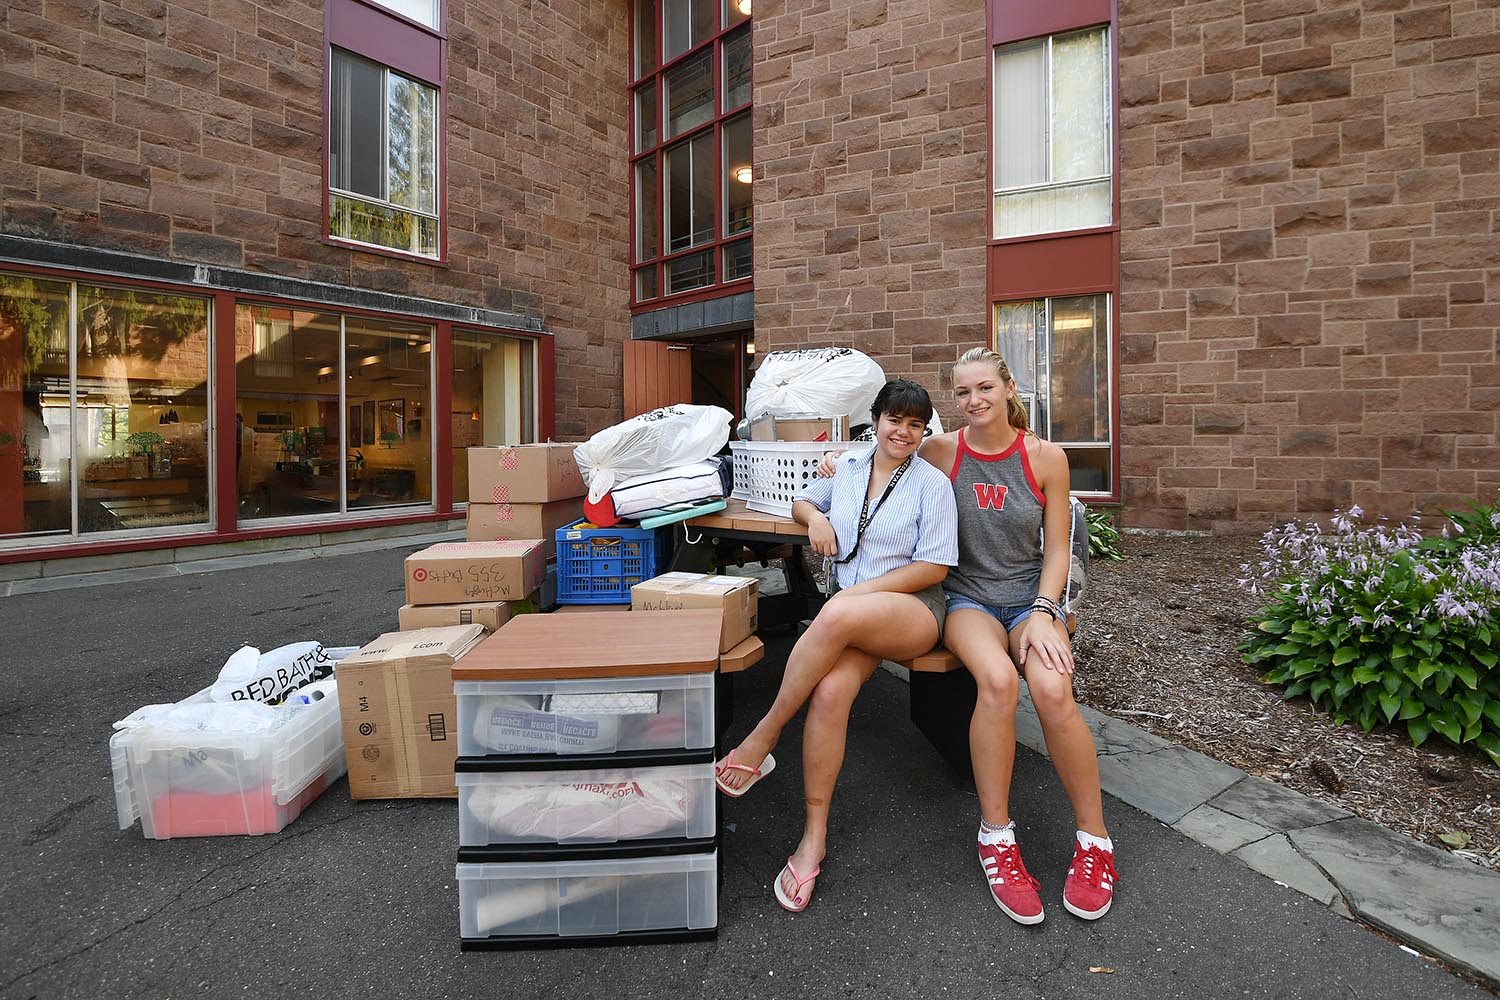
(737, 516)
(596, 644)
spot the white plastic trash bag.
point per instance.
(823, 382)
(250, 675)
(680, 434)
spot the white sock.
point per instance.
(1087, 840)
(991, 835)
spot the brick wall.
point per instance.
(193, 130)
(870, 194)
(1311, 272)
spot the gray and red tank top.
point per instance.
(999, 526)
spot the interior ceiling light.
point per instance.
(743, 6)
(744, 174)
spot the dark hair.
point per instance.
(902, 397)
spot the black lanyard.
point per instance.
(865, 513)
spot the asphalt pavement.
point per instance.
(360, 898)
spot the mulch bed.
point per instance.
(1156, 647)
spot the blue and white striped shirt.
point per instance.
(917, 522)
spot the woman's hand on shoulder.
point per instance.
(939, 450)
(826, 467)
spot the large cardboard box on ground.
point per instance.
(736, 597)
(524, 473)
(489, 522)
(469, 572)
(490, 614)
(398, 711)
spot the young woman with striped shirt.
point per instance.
(888, 520)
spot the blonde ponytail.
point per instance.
(1015, 413)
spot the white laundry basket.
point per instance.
(768, 475)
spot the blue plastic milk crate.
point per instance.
(600, 565)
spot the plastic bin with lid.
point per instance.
(590, 683)
(592, 805)
(183, 783)
(594, 898)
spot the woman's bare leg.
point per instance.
(980, 642)
(886, 626)
(1070, 742)
(824, 736)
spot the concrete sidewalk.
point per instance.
(360, 897)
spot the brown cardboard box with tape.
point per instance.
(398, 712)
(469, 572)
(489, 522)
(737, 597)
(490, 614)
(524, 473)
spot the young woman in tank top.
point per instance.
(1004, 622)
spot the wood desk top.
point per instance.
(737, 516)
(596, 644)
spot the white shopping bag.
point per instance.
(827, 382)
(680, 434)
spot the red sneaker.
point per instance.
(1014, 889)
(1091, 882)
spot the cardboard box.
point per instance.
(524, 473)
(469, 572)
(737, 597)
(490, 522)
(489, 614)
(800, 428)
(398, 710)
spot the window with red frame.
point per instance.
(690, 148)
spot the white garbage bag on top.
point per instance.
(680, 434)
(250, 675)
(824, 382)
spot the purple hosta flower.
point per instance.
(1357, 512)
(1495, 519)
(1383, 621)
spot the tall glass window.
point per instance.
(382, 157)
(1058, 351)
(107, 427)
(332, 412)
(693, 171)
(1052, 135)
(494, 397)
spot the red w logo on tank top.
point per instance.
(990, 496)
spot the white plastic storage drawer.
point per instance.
(600, 715)
(602, 804)
(588, 898)
(197, 784)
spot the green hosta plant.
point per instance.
(1104, 535)
(1377, 627)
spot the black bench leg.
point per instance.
(941, 706)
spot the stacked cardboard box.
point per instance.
(398, 711)
(523, 491)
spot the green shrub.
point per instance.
(1104, 534)
(1378, 626)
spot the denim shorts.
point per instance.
(1008, 616)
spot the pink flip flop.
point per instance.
(797, 903)
(756, 773)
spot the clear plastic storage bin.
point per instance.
(603, 804)
(598, 715)
(205, 784)
(588, 898)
